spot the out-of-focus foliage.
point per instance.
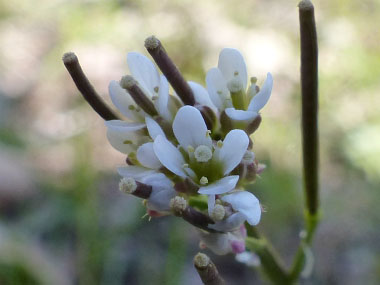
(62, 219)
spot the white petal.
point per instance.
(201, 95)
(158, 181)
(247, 204)
(144, 71)
(163, 99)
(221, 186)
(217, 88)
(147, 157)
(190, 129)
(261, 98)
(231, 223)
(154, 128)
(240, 115)
(234, 147)
(231, 62)
(136, 172)
(218, 243)
(248, 258)
(160, 200)
(211, 203)
(124, 136)
(169, 155)
(123, 101)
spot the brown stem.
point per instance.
(207, 270)
(130, 84)
(168, 68)
(180, 208)
(86, 89)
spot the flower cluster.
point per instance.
(188, 150)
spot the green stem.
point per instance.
(270, 261)
(306, 240)
(309, 91)
(310, 147)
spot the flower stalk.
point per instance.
(168, 68)
(310, 147)
(207, 270)
(86, 89)
(271, 264)
(309, 93)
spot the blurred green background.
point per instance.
(62, 218)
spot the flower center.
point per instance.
(203, 153)
(234, 85)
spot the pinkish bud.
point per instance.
(237, 246)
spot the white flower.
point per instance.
(227, 86)
(154, 85)
(245, 206)
(196, 156)
(126, 136)
(162, 187)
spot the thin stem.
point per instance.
(168, 68)
(270, 261)
(86, 89)
(131, 85)
(207, 270)
(309, 91)
(306, 240)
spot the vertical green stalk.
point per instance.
(309, 92)
(271, 264)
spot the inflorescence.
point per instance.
(189, 151)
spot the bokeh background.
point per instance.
(62, 218)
